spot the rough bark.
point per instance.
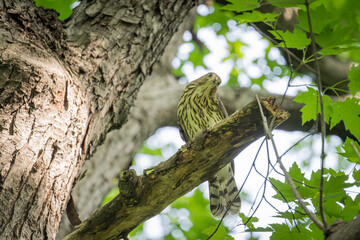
(43, 116)
(153, 108)
(142, 197)
(61, 91)
(345, 231)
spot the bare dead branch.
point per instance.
(142, 197)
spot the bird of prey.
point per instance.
(200, 108)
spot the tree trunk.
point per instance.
(62, 88)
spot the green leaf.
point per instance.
(334, 186)
(355, 55)
(282, 231)
(356, 175)
(344, 12)
(298, 39)
(285, 190)
(200, 216)
(108, 197)
(354, 76)
(241, 6)
(146, 150)
(319, 19)
(351, 208)
(316, 232)
(260, 229)
(349, 112)
(295, 172)
(213, 19)
(255, 16)
(349, 151)
(332, 208)
(288, 3)
(62, 7)
(335, 36)
(249, 222)
(235, 48)
(310, 110)
(232, 81)
(287, 215)
(198, 54)
(219, 235)
(337, 50)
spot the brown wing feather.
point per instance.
(182, 133)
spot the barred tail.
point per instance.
(216, 199)
(223, 191)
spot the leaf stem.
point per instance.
(322, 121)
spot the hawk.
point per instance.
(200, 108)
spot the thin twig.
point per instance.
(303, 85)
(262, 186)
(307, 135)
(295, 180)
(269, 163)
(322, 120)
(276, 189)
(355, 149)
(287, 176)
(288, 84)
(282, 195)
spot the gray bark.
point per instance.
(345, 230)
(62, 89)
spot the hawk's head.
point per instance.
(207, 84)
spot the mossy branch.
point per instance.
(142, 197)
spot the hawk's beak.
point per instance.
(217, 81)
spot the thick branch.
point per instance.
(142, 197)
(345, 231)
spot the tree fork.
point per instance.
(142, 197)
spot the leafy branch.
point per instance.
(322, 120)
(287, 176)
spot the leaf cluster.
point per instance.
(63, 7)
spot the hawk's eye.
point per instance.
(210, 74)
